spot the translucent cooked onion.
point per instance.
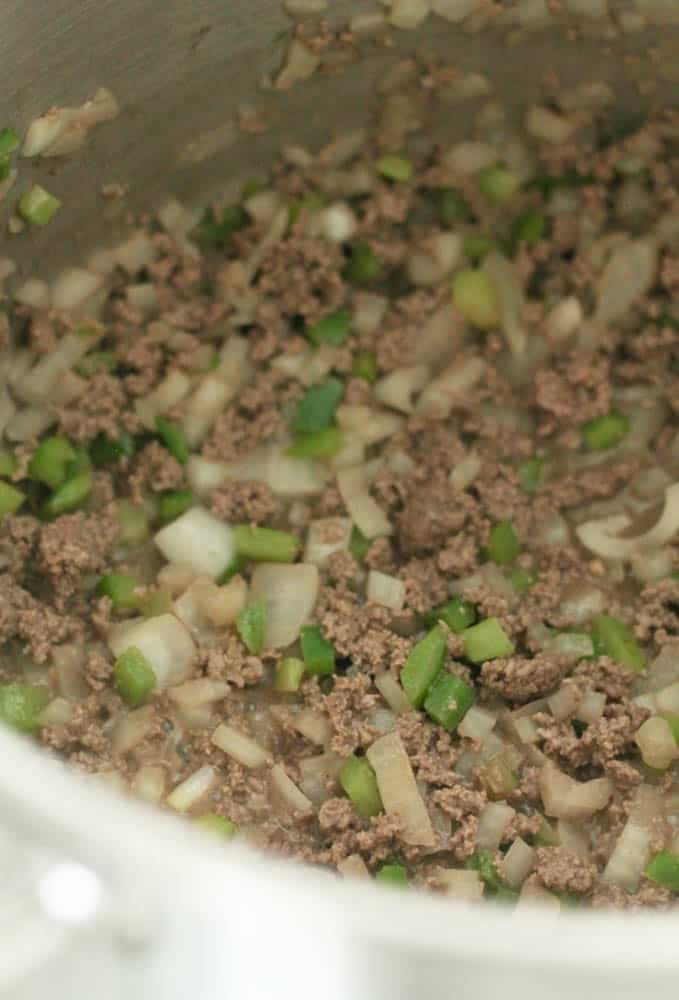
(581, 601)
(58, 712)
(389, 591)
(73, 287)
(466, 471)
(456, 382)
(167, 394)
(131, 728)
(463, 884)
(591, 707)
(657, 743)
(223, 605)
(398, 387)
(510, 299)
(326, 536)
(300, 64)
(289, 593)
(202, 691)
(365, 512)
(603, 537)
(664, 669)
(193, 789)
(393, 693)
(353, 866)
(369, 310)
(399, 790)
(242, 748)
(629, 856)
(313, 726)
(573, 838)
(440, 336)
(319, 776)
(493, 821)
(564, 702)
(163, 640)
(148, 783)
(627, 278)
(286, 792)
(199, 540)
(518, 863)
(566, 798)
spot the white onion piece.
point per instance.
(629, 857)
(368, 312)
(319, 776)
(363, 510)
(352, 452)
(493, 822)
(547, 125)
(439, 396)
(338, 223)
(353, 867)
(135, 253)
(131, 728)
(656, 742)
(393, 693)
(242, 748)
(601, 536)
(468, 158)
(313, 726)
(408, 14)
(33, 292)
(581, 601)
(285, 791)
(518, 863)
(454, 10)
(198, 539)
(510, 299)
(189, 608)
(466, 471)
(573, 838)
(142, 297)
(163, 640)
(565, 798)
(591, 707)
(627, 277)
(201, 691)
(205, 475)
(564, 702)
(386, 590)
(463, 884)
(441, 334)
(527, 730)
(664, 669)
(148, 783)
(290, 594)
(61, 131)
(28, 423)
(326, 536)
(300, 64)
(205, 405)
(58, 712)
(652, 566)
(166, 395)
(533, 894)
(262, 207)
(564, 319)
(477, 724)
(193, 789)
(399, 791)
(398, 387)
(37, 384)
(74, 286)
(293, 477)
(224, 604)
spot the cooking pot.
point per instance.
(103, 897)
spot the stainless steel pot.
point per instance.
(103, 897)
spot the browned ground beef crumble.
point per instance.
(54, 624)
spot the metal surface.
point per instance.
(177, 917)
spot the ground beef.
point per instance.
(562, 871)
(73, 546)
(251, 501)
(519, 679)
(154, 469)
(432, 512)
(348, 707)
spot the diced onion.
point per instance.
(398, 387)
(369, 310)
(300, 64)
(664, 669)
(56, 713)
(353, 867)
(454, 10)
(439, 396)
(468, 158)
(393, 693)
(548, 126)
(564, 319)
(136, 253)
(527, 730)
(148, 783)
(518, 863)
(581, 601)
(366, 514)
(566, 798)
(602, 536)
(591, 707)
(626, 279)
(493, 822)
(477, 724)
(386, 590)
(167, 394)
(656, 742)
(573, 838)
(199, 540)
(399, 791)
(242, 748)
(408, 14)
(460, 883)
(131, 728)
(319, 776)
(440, 336)
(290, 594)
(201, 691)
(510, 299)
(73, 287)
(629, 857)
(564, 702)
(163, 640)
(465, 472)
(325, 537)
(224, 604)
(313, 726)
(190, 608)
(286, 791)
(194, 788)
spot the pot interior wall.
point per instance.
(180, 70)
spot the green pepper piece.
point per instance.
(424, 662)
(358, 780)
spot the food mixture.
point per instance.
(345, 518)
